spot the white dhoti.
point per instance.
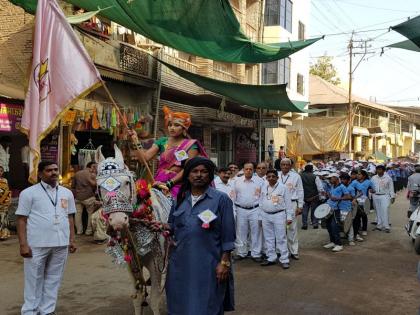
(43, 274)
(292, 234)
(274, 230)
(247, 222)
(99, 226)
(89, 204)
(381, 204)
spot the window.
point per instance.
(279, 12)
(272, 11)
(300, 84)
(301, 35)
(277, 72)
(270, 72)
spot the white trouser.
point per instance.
(350, 235)
(43, 274)
(292, 234)
(381, 204)
(262, 236)
(247, 221)
(90, 206)
(274, 230)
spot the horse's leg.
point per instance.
(155, 278)
(136, 295)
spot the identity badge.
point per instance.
(181, 155)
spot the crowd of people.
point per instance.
(267, 202)
(240, 211)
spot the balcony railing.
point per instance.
(180, 63)
(224, 76)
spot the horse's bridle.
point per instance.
(107, 178)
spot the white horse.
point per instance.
(116, 188)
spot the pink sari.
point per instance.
(168, 160)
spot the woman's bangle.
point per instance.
(169, 184)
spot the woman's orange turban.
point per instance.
(183, 119)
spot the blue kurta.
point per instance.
(191, 286)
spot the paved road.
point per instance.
(377, 276)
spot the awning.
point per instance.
(406, 44)
(259, 96)
(206, 28)
(411, 30)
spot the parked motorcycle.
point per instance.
(413, 229)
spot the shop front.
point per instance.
(14, 143)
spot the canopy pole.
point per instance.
(259, 135)
(149, 172)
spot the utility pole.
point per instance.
(361, 48)
(350, 91)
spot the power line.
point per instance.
(373, 7)
(325, 16)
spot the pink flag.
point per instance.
(61, 72)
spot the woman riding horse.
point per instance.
(174, 150)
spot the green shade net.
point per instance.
(206, 28)
(411, 30)
(406, 44)
(259, 96)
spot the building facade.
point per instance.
(286, 20)
(378, 131)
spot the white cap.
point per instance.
(333, 175)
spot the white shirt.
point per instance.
(4, 158)
(293, 183)
(247, 192)
(48, 225)
(226, 188)
(319, 186)
(383, 185)
(24, 152)
(274, 199)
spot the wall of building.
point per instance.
(15, 48)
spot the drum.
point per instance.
(323, 211)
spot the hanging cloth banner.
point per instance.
(205, 28)
(411, 30)
(259, 96)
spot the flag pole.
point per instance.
(149, 172)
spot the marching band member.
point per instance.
(293, 183)
(337, 193)
(346, 207)
(247, 191)
(363, 185)
(276, 210)
(383, 196)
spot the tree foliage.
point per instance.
(325, 69)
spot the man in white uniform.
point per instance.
(224, 184)
(247, 191)
(46, 235)
(276, 209)
(293, 183)
(383, 196)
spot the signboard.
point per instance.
(10, 117)
(269, 123)
(49, 148)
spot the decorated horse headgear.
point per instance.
(111, 173)
(181, 118)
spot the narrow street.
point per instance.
(377, 276)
